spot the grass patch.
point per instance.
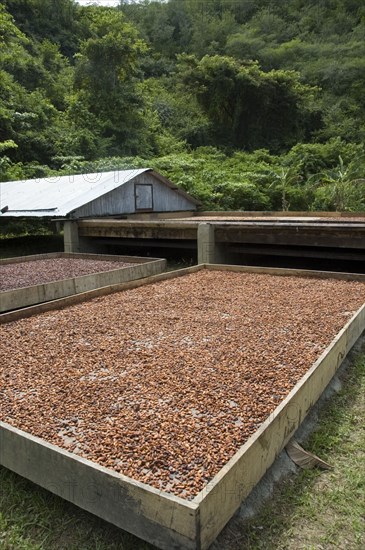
(34, 519)
(313, 510)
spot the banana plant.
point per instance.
(284, 180)
(342, 183)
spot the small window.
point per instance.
(143, 196)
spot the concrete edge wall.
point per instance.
(224, 494)
(109, 257)
(282, 271)
(280, 213)
(213, 238)
(148, 224)
(76, 255)
(162, 519)
(27, 296)
(244, 213)
(161, 215)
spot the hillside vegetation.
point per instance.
(246, 104)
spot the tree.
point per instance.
(106, 81)
(247, 107)
(27, 116)
(59, 21)
(210, 33)
(179, 120)
(5, 163)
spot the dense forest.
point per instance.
(247, 104)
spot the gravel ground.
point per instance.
(35, 272)
(165, 382)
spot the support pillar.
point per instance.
(206, 244)
(71, 242)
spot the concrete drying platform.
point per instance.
(163, 518)
(129, 269)
(230, 238)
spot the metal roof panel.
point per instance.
(60, 195)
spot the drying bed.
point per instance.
(184, 390)
(46, 270)
(29, 280)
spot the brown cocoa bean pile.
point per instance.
(165, 382)
(36, 272)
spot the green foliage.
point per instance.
(323, 41)
(342, 188)
(29, 81)
(312, 158)
(220, 182)
(106, 76)
(7, 145)
(5, 163)
(252, 181)
(285, 182)
(247, 107)
(210, 93)
(175, 116)
(59, 21)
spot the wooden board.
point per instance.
(162, 519)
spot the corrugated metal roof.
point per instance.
(59, 195)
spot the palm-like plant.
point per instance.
(284, 179)
(341, 182)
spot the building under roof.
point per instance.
(91, 195)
